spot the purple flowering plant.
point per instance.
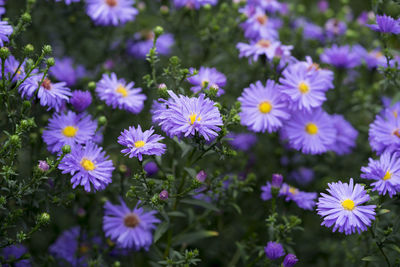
(199, 133)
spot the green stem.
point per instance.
(380, 246)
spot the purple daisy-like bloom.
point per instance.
(111, 12)
(266, 192)
(267, 5)
(302, 176)
(210, 77)
(263, 107)
(375, 59)
(386, 172)
(68, 2)
(290, 260)
(346, 135)
(343, 208)
(5, 31)
(341, 57)
(385, 24)
(335, 28)
(89, 167)
(12, 67)
(304, 87)
(186, 116)
(68, 129)
(119, 94)
(141, 143)
(260, 26)
(140, 46)
(70, 248)
(310, 30)
(194, 4)
(52, 95)
(81, 100)
(384, 132)
(242, 141)
(129, 228)
(305, 200)
(311, 132)
(274, 250)
(64, 71)
(262, 47)
(16, 252)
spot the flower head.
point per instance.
(150, 168)
(385, 24)
(263, 107)
(65, 71)
(111, 12)
(194, 4)
(207, 77)
(386, 172)
(186, 116)
(141, 143)
(311, 132)
(304, 200)
(129, 228)
(274, 250)
(12, 67)
(335, 28)
(142, 42)
(119, 94)
(16, 252)
(52, 95)
(290, 260)
(343, 208)
(81, 100)
(242, 141)
(262, 47)
(341, 57)
(68, 129)
(89, 167)
(346, 135)
(43, 166)
(260, 26)
(5, 31)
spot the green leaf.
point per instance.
(161, 229)
(371, 258)
(176, 214)
(191, 172)
(200, 203)
(193, 237)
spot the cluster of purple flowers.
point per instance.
(274, 251)
(142, 42)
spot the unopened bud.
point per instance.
(43, 166)
(163, 195)
(66, 149)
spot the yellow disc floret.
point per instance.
(70, 131)
(87, 164)
(193, 118)
(139, 144)
(387, 176)
(311, 128)
(122, 90)
(265, 107)
(303, 88)
(348, 204)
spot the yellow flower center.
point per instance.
(264, 43)
(348, 204)
(311, 128)
(193, 118)
(387, 176)
(265, 107)
(303, 88)
(122, 90)
(292, 190)
(70, 131)
(88, 164)
(139, 144)
(204, 83)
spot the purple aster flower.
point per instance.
(70, 248)
(363, 18)
(68, 2)
(341, 57)
(260, 26)
(16, 252)
(119, 94)
(81, 100)
(335, 28)
(140, 46)
(242, 141)
(385, 130)
(43, 166)
(2, 8)
(263, 107)
(304, 87)
(311, 132)
(346, 135)
(206, 78)
(64, 71)
(68, 129)
(310, 30)
(52, 95)
(304, 200)
(290, 260)
(277, 180)
(89, 167)
(150, 168)
(111, 12)
(194, 4)
(201, 176)
(266, 192)
(274, 250)
(323, 5)
(129, 228)
(264, 47)
(385, 24)
(163, 195)
(186, 116)
(343, 208)
(12, 67)
(324, 74)
(5, 31)
(386, 172)
(302, 176)
(141, 143)
(267, 5)
(375, 59)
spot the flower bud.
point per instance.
(26, 17)
(158, 31)
(66, 149)
(47, 49)
(201, 176)
(150, 168)
(43, 166)
(290, 260)
(15, 140)
(102, 120)
(92, 85)
(28, 49)
(164, 10)
(4, 52)
(44, 218)
(163, 195)
(277, 180)
(50, 62)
